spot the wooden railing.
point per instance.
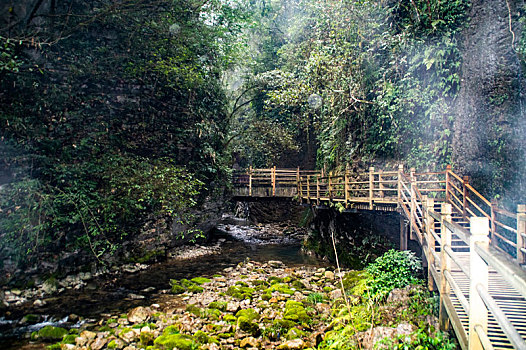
(475, 250)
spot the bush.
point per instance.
(395, 269)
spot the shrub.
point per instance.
(395, 269)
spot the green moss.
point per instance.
(52, 333)
(248, 326)
(260, 283)
(191, 308)
(201, 280)
(112, 344)
(229, 318)
(175, 341)
(177, 288)
(288, 279)
(281, 288)
(146, 338)
(173, 329)
(327, 289)
(295, 333)
(240, 292)
(249, 314)
(74, 331)
(203, 338)
(186, 283)
(34, 335)
(54, 347)
(195, 289)
(225, 335)
(355, 282)
(219, 305)
(295, 311)
(104, 329)
(69, 339)
(217, 276)
(30, 318)
(283, 324)
(274, 279)
(213, 314)
(266, 296)
(298, 285)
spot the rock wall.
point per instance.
(360, 237)
(489, 128)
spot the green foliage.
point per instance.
(315, 298)
(420, 340)
(395, 269)
(114, 123)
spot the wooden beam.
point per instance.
(445, 264)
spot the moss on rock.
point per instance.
(201, 280)
(175, 341)
(219, 305)
(249, 314)
(295, 311)
(248, 326)
(52, 333)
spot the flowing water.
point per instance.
(117, 295)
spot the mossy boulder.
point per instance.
(201, 280)
(280, 288)
(203, 338)
(249, 314)
(213, 314)
(51, 333)
(229, 318)
(195, 289)
(248, 326)
(173, 329)
(295, 311)
(30, 319)
(175, 341)
(178, 289)
(240, 292)
(219, 305)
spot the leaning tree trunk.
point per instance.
(489, 132)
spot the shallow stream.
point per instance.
(110, 296)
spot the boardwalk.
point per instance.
(475, 250)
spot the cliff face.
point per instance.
(489, 128)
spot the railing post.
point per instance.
(299, 188)
(273, 174)
(346, 188)
(430, 239)
(250, 181)
(478, 314)
(494, 204)
(521, 234)
(308, 188)
(330, 187)
(399, 194)
(371, 187)
(465, 181)
(448, 183)
(318, 190)
(412, 205)
(380, 184)
(445, 264)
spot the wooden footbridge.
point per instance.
(475, 250)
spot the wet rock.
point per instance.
(294, 344)
(98, 344)
(335, 294)
(139, 315)
(275, 263)
(250, 342)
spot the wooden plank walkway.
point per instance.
(475, 251)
